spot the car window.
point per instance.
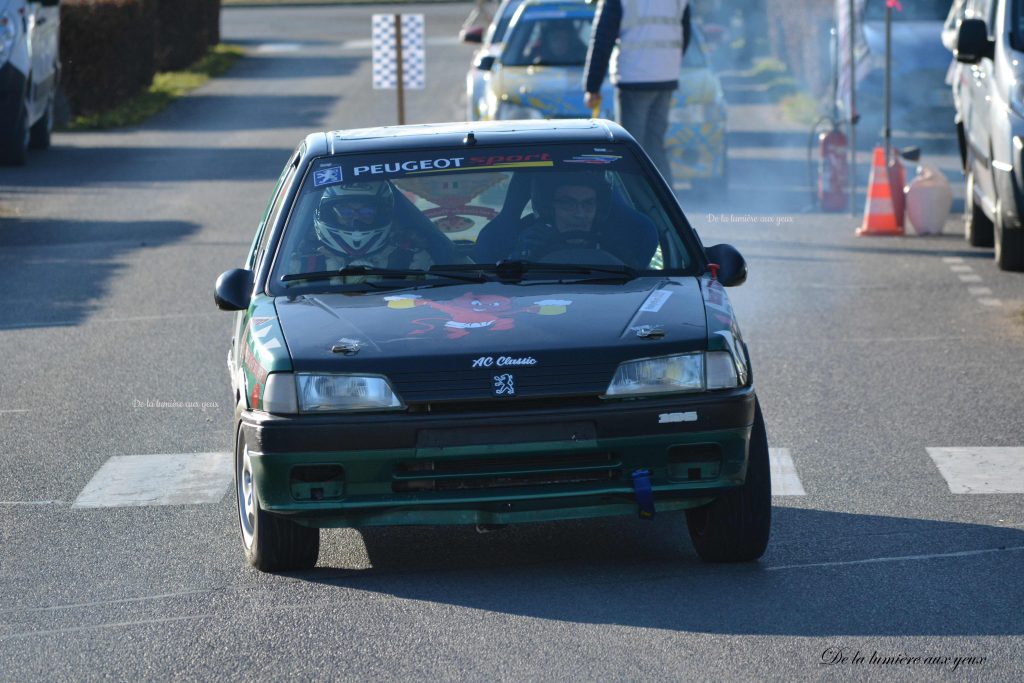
(500, 26)
(434, 208)
(549, 38)
(271, 212)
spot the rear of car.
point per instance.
(29, 74)
(608, 378)
(529, 82)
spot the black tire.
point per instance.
(735, 527)
(1009, 245)
(14, 142)
(978, 229)
(271, 543)
(39, 133)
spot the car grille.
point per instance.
(493, 473)
(478, 384)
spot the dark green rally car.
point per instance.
(487, 323)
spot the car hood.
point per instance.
(555, 90)
(561, 338)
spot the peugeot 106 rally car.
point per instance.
(487, 323)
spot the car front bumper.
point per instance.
(499, 467)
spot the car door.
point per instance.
(43, 24)
(977, 111)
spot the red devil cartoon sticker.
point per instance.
(471, 312)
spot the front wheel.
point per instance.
(39, 133)
(735, 527)
(1009, 244)
(977, 227)
(14, 141)
(272, 543)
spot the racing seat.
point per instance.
(635, 245)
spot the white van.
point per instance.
(29, 73)
(990, 125)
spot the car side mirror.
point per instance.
(732, 267)
(472, 35)
(234, 289)
(485, 63)
(972, 42)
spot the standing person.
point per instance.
(644, 40)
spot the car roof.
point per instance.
(456, 134)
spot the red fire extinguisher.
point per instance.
(832, 170)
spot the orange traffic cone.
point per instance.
(879, 213)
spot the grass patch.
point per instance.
(800, 108)
(768, 68)
(166, 87)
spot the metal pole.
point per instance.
(888, 83)
(401, 76)
(853, 110)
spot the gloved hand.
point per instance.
(534, 242)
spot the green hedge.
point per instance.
(111, 49)
(184, 30)
(106, 50)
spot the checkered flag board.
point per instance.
(385, 67)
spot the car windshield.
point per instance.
(436, 213)
(549, 37)
(501, 26)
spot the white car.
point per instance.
(29, 73)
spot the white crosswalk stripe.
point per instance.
(785, 481)
(981, 470)
(161, 479)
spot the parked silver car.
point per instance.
(990, 123)
(29, 73)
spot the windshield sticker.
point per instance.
(469, 312)
(593, 159)
(327, 176)
(409, 166)
(655, 301)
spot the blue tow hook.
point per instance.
(644, 495)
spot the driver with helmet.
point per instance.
(354, 226)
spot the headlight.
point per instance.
(337, 393)
(7, 34)
(688, 372)
(507, 111)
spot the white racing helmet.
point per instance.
(355, 220)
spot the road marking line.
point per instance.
(952, 259)
(990, 302)
(32, 502)
(160, 479)
(961, 269)
(970, 278)
(980, 291)
(92, 627)
(902, 558)
(785, 481)
(981, 470)
(13, 411)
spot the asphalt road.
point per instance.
(867, 352)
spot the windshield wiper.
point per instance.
(514, 270)
(452, 273)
